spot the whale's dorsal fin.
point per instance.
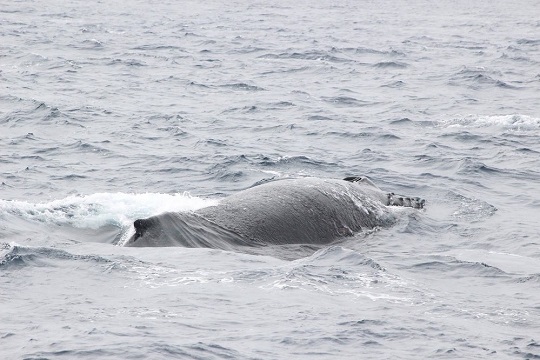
(353, 178)
(363, 179)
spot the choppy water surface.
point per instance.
(111, 112)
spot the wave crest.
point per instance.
(510, 122)
(101, 209)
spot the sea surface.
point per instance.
(114, 111)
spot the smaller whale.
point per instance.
(288, 211)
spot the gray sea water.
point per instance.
(113, 111)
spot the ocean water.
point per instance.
(114, 111)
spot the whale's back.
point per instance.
(306, 211)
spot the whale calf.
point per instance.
(288, 211)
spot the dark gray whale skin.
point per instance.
(289, 211)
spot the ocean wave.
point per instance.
(478, 78)
(242, 87)
(227, 165)
(16, 256)
(390, 65)
(470, 209)
(314, 55)
(535, 278)
(525, 268)
(532, 42)
(127, 62)
(471, 166)
(337, 271)
(347, 101)
(297, 163)
(102, 209)
(395, 84)
(32, 112)
(340, 256)
(515, 122)
(457, 268)
(159, 47)
(328, 267)
(89, 44)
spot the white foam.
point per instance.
(510, 122)
(100, 209)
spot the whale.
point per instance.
(287, 211)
